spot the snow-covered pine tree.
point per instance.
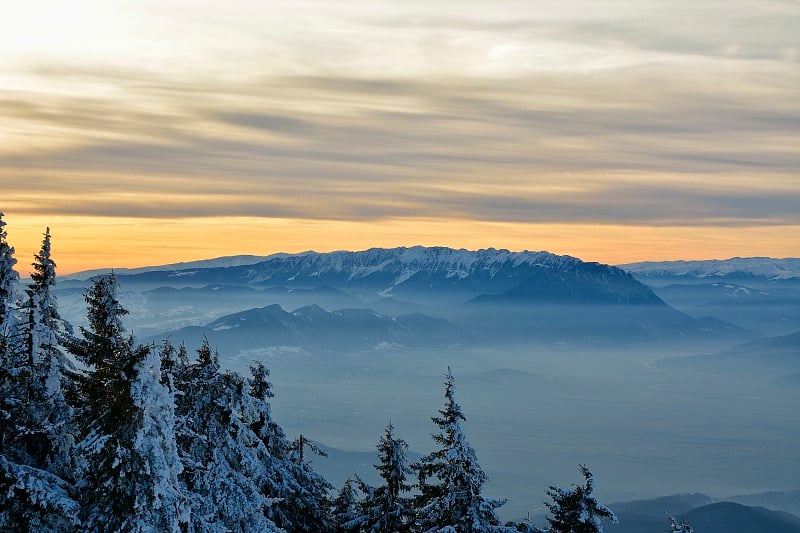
(575, 510)
(385, 509)
(226, 463)
(451, 480)
(270, 433)
(160, 504)
(50, 435)
(32, 499)
(129, 480)
(345, 507)
(35, 440)
(310, 510)
(8, 285)
(8, 340)
(278, 483)
(676, 526)
(300, 494)
(170, 364)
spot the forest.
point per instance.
(99, 432)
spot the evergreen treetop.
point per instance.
(575, 510)
(345, 507)
(385, 509)
(451, 480)
(110, 356)
(49, 374)
(8, 280)
(129, 480)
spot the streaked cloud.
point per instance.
(650, 114)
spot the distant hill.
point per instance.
(787, 500)
(771, 357)
(702, 513)
(575, 283)
(649, 516)
(729, 517)
(316, 329)
(217, 262)
(686, 295)
(736, 268)
(594, 302)
(769, 308)
(168, 308)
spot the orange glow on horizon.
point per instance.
(83, 243)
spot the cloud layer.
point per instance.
(643, 113)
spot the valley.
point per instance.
(557, 362)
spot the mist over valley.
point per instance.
(557, 361)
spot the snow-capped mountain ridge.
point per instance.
(490, 295)
(417, 273)
(764, 268)
(404, 263)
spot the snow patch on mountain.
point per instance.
(764, 268)
(406, 263)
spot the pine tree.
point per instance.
(35, 437)
(224, 459)
(170, 364)
(453, 502)
(678, 527)
(270, 433)
(8, 283)
(300, 494)
(10, 396)
(32, 499)
(576, 510)
(345, 507)
(50, 436)
(384, 508)
(160, 502)
(309, 511)
(130, 476)
(8, 335)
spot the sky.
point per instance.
(148, 132)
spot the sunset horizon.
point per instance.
(135, 243)
(651, 131)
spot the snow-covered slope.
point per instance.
(388, 271)
(217, 262)
(759, 268)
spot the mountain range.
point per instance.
(491, 295)
(764, 269)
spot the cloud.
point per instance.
(664, 114)
(261, 121)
